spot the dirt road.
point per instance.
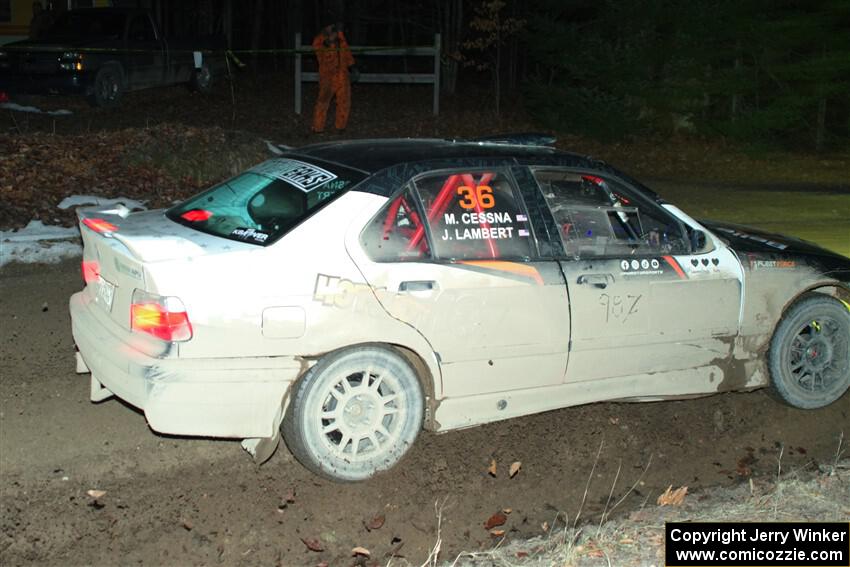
(176, 501)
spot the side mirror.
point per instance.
(697, 240)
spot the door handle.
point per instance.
(596, 280)
(411, 286)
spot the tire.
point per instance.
(108, 86)
(347, 428)
(202, 80)
(809, 357)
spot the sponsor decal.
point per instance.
(772, 264)
(644, 267)
(304, 176)
(123, 268)
(250, 234)
(704, 263)
(336, 291)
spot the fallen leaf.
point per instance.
(375, 523)
(96, 493)
(673, 497)
(360, 551)
(497, 533)
(313, 544)
(491, 470)
(496, 519)
(515, 466)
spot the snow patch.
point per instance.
(37, 230)
(38, 242)
(77, 200)
(33, 109)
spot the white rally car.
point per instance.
(351, 294)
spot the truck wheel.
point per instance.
(108, 86)
(354, 414)
(809, 358)
(202, 80)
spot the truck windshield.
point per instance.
(264, 203)
(86, 24)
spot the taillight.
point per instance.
(91, 271)
(162, 317)
(100, 225)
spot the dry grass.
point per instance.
(808, 493)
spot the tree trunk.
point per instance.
(820, 133)
(451, 20)
(736, 103)
(257, 31)
(227, 22)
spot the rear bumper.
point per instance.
(211, 397)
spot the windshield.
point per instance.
(88, 24)
(264, 203)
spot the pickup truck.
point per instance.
(102, 53)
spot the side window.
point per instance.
(475, 216)
(600, 217)
(397, 233)
(141, 29)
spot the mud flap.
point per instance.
(98, 391)
(262, 448)
(82, 367)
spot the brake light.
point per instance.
(196, 215)
(162, 317)
(100, 225)
(91, 271)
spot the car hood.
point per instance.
(748, 241)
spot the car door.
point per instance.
(643, 300)
(454, 256)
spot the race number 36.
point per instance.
(481, 196)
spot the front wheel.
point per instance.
(809, 358)
(354, 414)
(108, 86)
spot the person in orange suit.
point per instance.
(334, 56)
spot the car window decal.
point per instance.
(250, 234)
(304, 176)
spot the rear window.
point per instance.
(264, 203)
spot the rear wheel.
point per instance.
(809, 356)
(108, 86)
(202, 79)
(354, 414)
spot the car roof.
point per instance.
(374, 155)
